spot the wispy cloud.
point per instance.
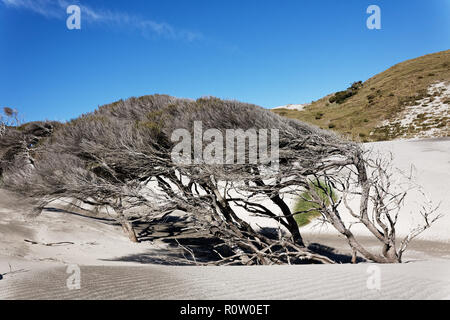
(56, 9)
(46, 8)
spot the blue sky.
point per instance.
(265, 52)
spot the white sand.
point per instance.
(421, 280)
(297, 107)
(430, 162)
(94, 243)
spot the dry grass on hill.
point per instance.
(381, 98)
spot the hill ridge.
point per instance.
(373, 110)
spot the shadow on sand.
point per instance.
(185, 246)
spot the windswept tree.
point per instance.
(219, 161)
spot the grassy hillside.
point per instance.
(370, 111)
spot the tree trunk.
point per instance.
(354, 256)
(335, 220)
(293, 226)
(390, 252)
(127, 227)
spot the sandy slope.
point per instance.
(421, 280)
(85, 241)
(297, 107)
(429, 161)
(426, 118)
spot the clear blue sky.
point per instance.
(265, 52)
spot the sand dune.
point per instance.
(429, 161)
(421, 280)
(108, 272)
(297, 107)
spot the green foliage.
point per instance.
(341, 96)
(303, 203)
(371, 98)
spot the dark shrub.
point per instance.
(341, 96)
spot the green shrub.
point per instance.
(340, 96)
(303, 204)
